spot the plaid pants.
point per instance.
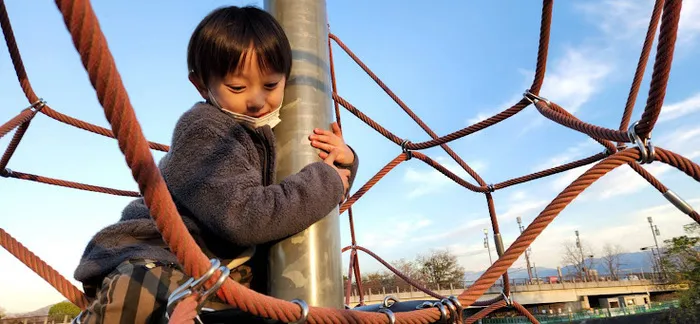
(138, 290)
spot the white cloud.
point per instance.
(427, 180)
(463, 230)
(680, 109)
(402, 230)
(619, 19)
(629, 19)
(522, 208)
(624, 180)
(576, 77)
(569, 155)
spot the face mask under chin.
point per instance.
(271, 119)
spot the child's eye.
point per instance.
(271, 85)
(236, 88)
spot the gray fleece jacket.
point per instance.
(221, 176)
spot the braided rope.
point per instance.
(97, 60)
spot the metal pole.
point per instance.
(307, 265)
(486, 244)
(583, 260)
(655, 232)
(527, 251)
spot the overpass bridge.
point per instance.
(574, 294)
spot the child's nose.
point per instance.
(256, 101)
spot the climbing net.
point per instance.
(99, 63)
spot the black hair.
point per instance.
(225, 35)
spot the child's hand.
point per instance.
(344, 174)
(326, 141)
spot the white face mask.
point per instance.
(271, 119)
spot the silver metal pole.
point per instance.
(307, 265)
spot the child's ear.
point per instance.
(197, 82)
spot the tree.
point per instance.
(59, 311)
(408, 268)
(578, 257)
(2, 312)
(612, 259)
(681, 259)
(440, 267)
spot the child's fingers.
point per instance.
(323, 155)
(322, 146)
(336, 129)
(321, 138)
(331, 156)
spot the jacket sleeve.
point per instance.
(213, 177)
(351, 167)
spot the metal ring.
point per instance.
(533, 98)
(385, 302)
(404, 149)
(490, 188)
(304, 311)
(443, 312)
(215, 263)
(225, 271)
(425, 304)
(38, 105)
(646, 149)
(451, 307)
(509, 301)
(389, 314)
(6, 173)
(455, 301)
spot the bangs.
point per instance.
(222, 42)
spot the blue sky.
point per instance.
(452, 63)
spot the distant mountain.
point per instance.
(630, 262)
(39, 312)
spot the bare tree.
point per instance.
(440, 267)
(408, 268)
(612, 259)
(581, 258)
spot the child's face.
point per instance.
(249, 91)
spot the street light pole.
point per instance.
(486, 244)
(655, 232)
(527, 251)
(583, 260)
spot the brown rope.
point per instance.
(559, 203)
(662, 67)
(44, 270)
(14, 54)
(486, 311)
(91, 127)
(641, 66)
(67, 184)
(23, 117)
(97, 60)
(400, 274)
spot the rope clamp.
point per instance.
(385, 302)
(454, 313)
(508, 299)
(389, 314)
(38, 105)
(533, 98)
(491, 188)
(646, 149)
(404, 149)
(6, 173)
(304, 311)
(192, 286)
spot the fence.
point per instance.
(589, 314)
